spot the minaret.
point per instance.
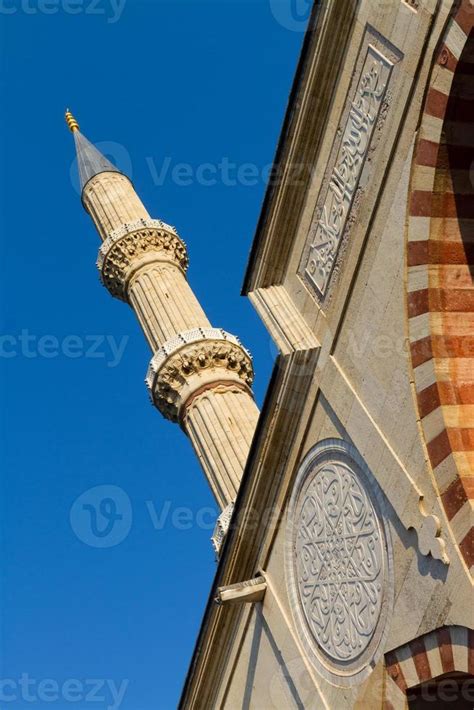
(199, 376)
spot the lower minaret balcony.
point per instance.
(193, 361)
(201, 379)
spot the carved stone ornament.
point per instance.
(338, 562)
(221, 528)
(190, 359)
(126, 247)
(348, 175)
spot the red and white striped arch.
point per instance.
(440, 263)
(449, 649)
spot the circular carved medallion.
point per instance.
(338, 561)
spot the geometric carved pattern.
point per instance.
(338, 562)
(192, 353)
(124, 247)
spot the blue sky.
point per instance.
(158, 84)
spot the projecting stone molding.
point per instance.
(282, 319)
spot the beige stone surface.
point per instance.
(221, 423)
(164, 303)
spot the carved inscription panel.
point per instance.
(348, 174)
(350, 160)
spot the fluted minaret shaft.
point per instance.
(112, 202)
(199, 376)
(221, 423)
(164, 303)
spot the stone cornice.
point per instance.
(132, 246)
(191, 360)
(310, 101)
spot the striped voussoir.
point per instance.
(440, 262)
(449, 649)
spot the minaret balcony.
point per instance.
(192, 362)
(134, 245)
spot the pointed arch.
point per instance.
(449, 649)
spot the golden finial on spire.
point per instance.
(71, 121)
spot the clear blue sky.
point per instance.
(168, 82)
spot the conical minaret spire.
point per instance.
(199, 376)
